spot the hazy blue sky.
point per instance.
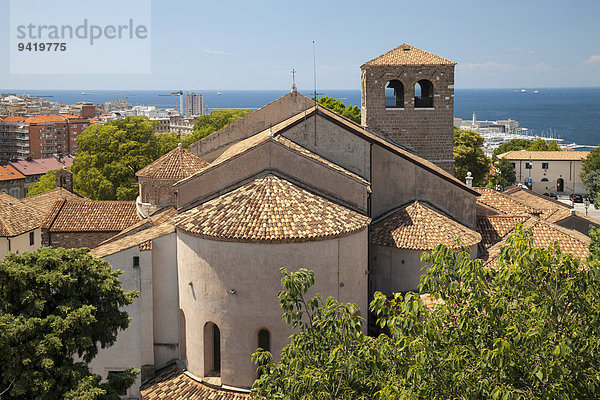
(254, 44)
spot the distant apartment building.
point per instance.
(12, 181)
(40, 136)
(194, 104)
(182, 125)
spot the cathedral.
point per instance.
(291, 185)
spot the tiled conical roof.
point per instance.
(270, 209)
(408, 55)
(419, 227)
(177, 164)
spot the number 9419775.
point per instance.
(42, 46)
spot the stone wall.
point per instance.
(70, 240)
(426, 131)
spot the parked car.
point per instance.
(576, 198)
(553, 195)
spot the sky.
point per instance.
(252, 45)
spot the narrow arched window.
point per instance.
(212, 349)
(424, 94)
(394, 94)
(264, 340)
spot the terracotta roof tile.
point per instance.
(419, 227)
(158, 218)
(142, 239)
(494, 228)
(16, 217)
(546, 233)
(41, 119)
(177, 164)
(14, 119)
(174, 384)
(503, 203)
(8, 173)
(90, 216)
(270, 209)
(406, 54)
(45, 201)
(551, 209)
(545, 155)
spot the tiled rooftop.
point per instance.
(40, 119)
(40, 166)
(546, 233)
(503, 203)
(17, 217)
(494, 228)
(174, 384)
(564, 155)
(8, 173)
(90, 216)
(142, 239)
(419, 227)
(177, 164)
(45, 201)
(270, 209)
(550, 208)
(158, 218)
(408, 55)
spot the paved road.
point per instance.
(591, 212)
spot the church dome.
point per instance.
(177, 164)
(270, 209)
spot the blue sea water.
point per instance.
(572, 114)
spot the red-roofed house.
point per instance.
(12, 181)
(34, 169)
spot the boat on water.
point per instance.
(219, 93)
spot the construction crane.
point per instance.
(177, 93)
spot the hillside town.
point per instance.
(292, 184)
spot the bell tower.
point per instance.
(407, 95)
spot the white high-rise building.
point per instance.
(193, 104)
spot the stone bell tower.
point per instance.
(407, 95)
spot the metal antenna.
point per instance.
(315, 69)
(293, 76)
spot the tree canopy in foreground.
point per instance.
(590, 175)
(524, 329)
(57, 307)
(524, 144)
(46, 183)
(209, 123)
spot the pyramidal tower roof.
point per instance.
(177, 164)
(406, 54)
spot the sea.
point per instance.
(570, 114)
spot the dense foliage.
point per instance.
(46, 183)
(209, 123)
(525, 329)
(469, 157)
(590, 175)
(524, 144)
(109, 156)
(504, 174)
(57, 307)
(350, 112)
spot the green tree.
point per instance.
(110, 155)
(505, 174)
(512, 145)
(526, 328)
(590, 175)
(541, 145)
(328, 357)
(350, 112)
(167, 141)
(45, 184)
(57, 307)
(209, 123)
(469, 157)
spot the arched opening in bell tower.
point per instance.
(394, 94)
(424, 94)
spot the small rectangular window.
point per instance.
(120, 388)
(544, 165)
(31, 238)
(136, 261)
(528, 165)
